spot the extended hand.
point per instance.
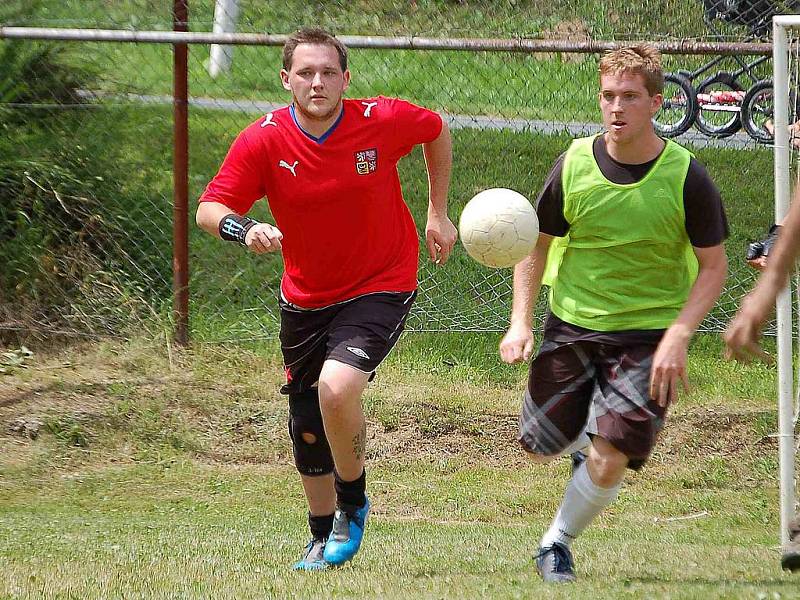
(263, 237)
(744, 332)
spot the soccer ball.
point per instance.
(498, 227)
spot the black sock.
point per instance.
(351, 494)
(320, 526)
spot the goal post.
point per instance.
(785, 64)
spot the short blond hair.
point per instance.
(642, 59)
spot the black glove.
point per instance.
(762, 248)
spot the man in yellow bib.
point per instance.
(631, 247)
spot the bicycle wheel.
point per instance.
(758, 111)
(719, 101)
(679, 107)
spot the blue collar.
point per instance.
(325, 135)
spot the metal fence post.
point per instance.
(180, 177)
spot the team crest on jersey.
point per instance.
(366, 161)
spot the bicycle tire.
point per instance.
(757, 108)
(678, 109)
(719, 118)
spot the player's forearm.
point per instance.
(527, 283)
(704, 293)
(439, 163)
(209, 215)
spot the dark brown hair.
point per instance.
(313, 35)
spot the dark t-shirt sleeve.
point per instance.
(550, 203)
(706, 222)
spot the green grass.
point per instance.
(540, 86)
(161, 474)
(506, 18)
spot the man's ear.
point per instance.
(656, 102)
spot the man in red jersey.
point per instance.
(328, 168)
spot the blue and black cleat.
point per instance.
(312, 557)
(347, 533)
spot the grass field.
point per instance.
(161, 473)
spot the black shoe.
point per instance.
(578, 458)
(554, 564)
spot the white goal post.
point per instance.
(785, 28)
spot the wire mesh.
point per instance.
(85, 160)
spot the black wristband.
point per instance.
(234, 228)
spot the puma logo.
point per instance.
(268, 121)
(291, 167)
(368, 109)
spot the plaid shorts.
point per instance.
(603, 387)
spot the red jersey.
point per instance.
(337, 199)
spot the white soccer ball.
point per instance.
(498, 227)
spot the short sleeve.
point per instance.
(413, 124)
(550, 203)
(706, 222)
(237, 184)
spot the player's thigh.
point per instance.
(365, 330)
(556, 403)
(623, 412)
(303, 336)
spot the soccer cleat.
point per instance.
(348, 530)
(554, 564)
(312, 557)
(578, 458)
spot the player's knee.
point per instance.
(335, 398)
(607, 469)
(312, 454)
(340, 386)
(332, 401)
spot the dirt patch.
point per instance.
(121, 404)
(574, 30)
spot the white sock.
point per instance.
(583, 501)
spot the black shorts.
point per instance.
(358, 332)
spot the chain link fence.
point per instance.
(86, 150)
